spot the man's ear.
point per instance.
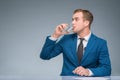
(86, 23)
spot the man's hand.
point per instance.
(81, 71)
(60, 30)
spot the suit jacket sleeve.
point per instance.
(104, 66)
(50, 49)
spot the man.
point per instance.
(91, 59)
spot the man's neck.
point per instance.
(84, 33)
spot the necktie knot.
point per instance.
(81, 39)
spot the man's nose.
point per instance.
(73, 22)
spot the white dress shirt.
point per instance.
(85, 41)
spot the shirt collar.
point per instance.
(86, 37)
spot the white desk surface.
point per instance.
(58, 78)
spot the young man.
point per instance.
(84, 53)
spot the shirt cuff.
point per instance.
(52, 38)
(90, 73)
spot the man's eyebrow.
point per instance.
(75, 18)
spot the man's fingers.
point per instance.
(77, 70)
(80, 71)
(61, 27)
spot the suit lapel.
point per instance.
(73, 48)
(90, 45)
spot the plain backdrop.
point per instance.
(25, 24)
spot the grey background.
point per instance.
(24, 25)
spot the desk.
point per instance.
(57, 78)
(91, 78)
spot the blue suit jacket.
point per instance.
(96, 55)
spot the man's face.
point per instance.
(78, 22)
